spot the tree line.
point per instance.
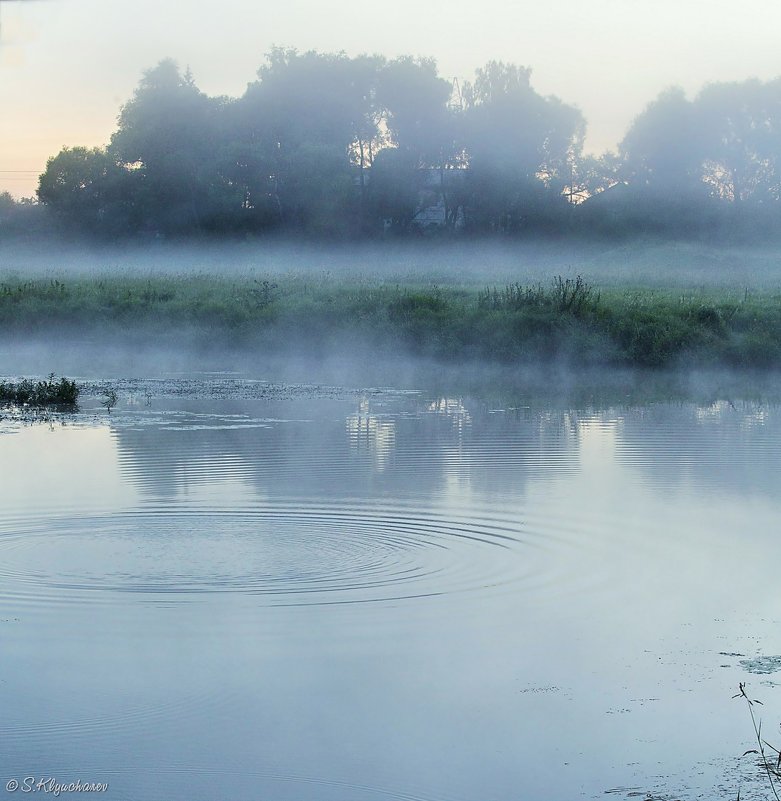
(331, 145)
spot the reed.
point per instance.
(771, 766)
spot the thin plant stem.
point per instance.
(758, 733)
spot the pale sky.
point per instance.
(66, 66)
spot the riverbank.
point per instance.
(565, 319)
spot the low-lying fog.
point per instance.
(651, 263)
(476, 264)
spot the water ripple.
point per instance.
(284, 553)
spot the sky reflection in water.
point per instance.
(388, 595)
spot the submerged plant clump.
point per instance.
(40, 393)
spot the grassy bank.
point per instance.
(564, 319)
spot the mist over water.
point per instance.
(98, 344)
(260, 589)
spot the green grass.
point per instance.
(565, 319)
(39, 393)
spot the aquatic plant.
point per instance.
(771, 766)
(110, 399)
(40, 393)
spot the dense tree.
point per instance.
(414, 100)
(301, 98)
(347, 110)
(394, 192)
(308, 119)
(592, 175)
(173, 137)
(741, 135)
(664, 145)
(415, 109)
(663, 157)
(680, 156)
(520, 146)
(18, 217)
(329, 144)
(7, 203)
(89, 190)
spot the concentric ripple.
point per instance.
(139, 717)
(284, 553)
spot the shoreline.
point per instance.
(567, 321)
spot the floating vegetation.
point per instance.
(39, 393)
(762, 664)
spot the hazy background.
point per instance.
(66, 66)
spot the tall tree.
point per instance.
(415, 101)
(172, 135)
(304, 103)
(741, 132)
(519, 145)
(425, 128)
(663, 149)
(87, 190)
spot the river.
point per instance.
(240, 590)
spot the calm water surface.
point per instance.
(233, 590)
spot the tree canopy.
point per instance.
(332, 145)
